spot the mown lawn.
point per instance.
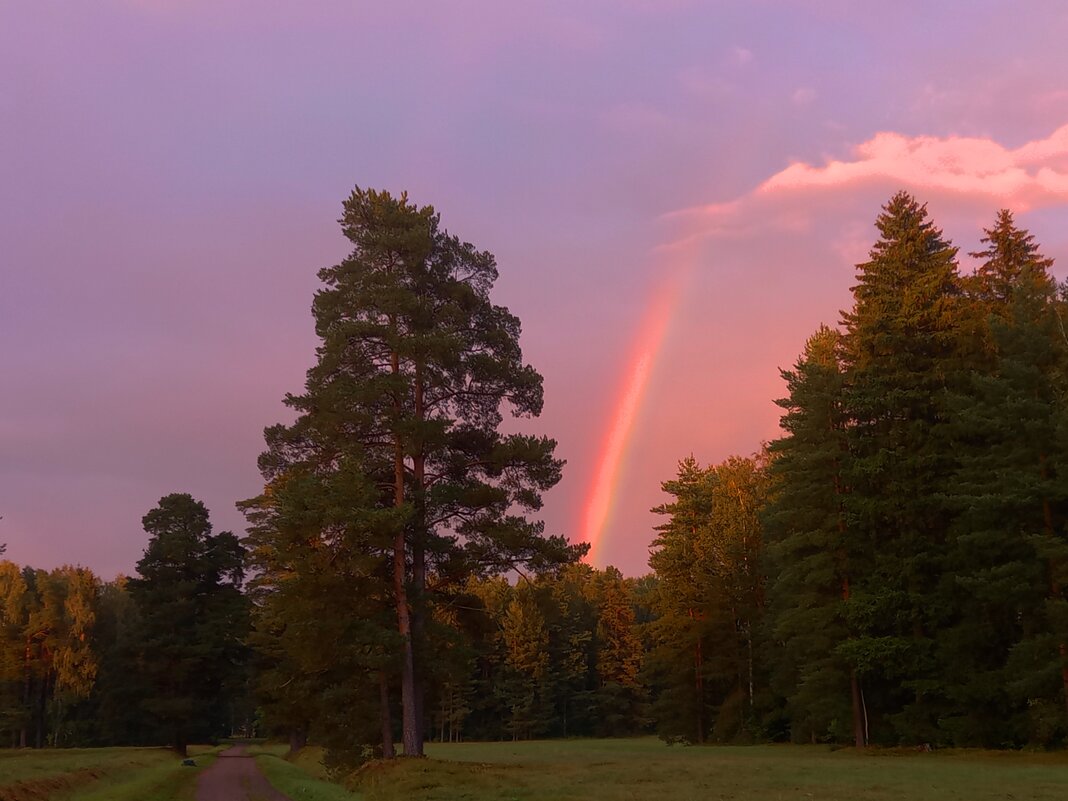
(627, 770)
(96, 774)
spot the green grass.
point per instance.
(163, 780)
(564, 770)
(96, 774)
(627, 770)
(304, 780)
(620, 770)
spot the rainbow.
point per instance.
(604, 486)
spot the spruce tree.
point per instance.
(619, 699)
(684, 710)
(810, 553)
(710, 598)
(1005, 654)
(901, 355)
(193, 617)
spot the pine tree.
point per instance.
(414, 368)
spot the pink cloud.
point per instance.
(960, 170)
(1035, 174)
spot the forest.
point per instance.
(889, 571)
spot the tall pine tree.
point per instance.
(415, 368)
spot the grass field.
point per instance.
(629, 770)
(567, 770)
(98, 774)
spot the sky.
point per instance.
(676, 193)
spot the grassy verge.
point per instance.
(164, 780)
(301, 781)
(95, 774)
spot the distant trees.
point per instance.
(709, 602)
(47, 663)
(558, 655)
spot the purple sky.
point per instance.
(171, 172)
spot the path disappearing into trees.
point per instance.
(235, 776)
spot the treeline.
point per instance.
(559, 655)
(911, 540)
(158, 659)
(891, 570)
(49, 657)
(916, 533)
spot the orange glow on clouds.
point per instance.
(1023, 178)
(612, 457)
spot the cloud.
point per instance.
(1035, 174)
(966, 170)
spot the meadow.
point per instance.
(645, 768)
(561, 770)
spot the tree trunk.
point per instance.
(298, 738)
(388, 752)
(26, 694)
(40, 714)
(411, 735)
(859, 734)
(181, 747)
(864, 709)
(859, 737)
(419, 534)
(699, 686)
(749, 646)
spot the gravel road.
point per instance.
(235, 776)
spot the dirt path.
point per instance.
(235, 777)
